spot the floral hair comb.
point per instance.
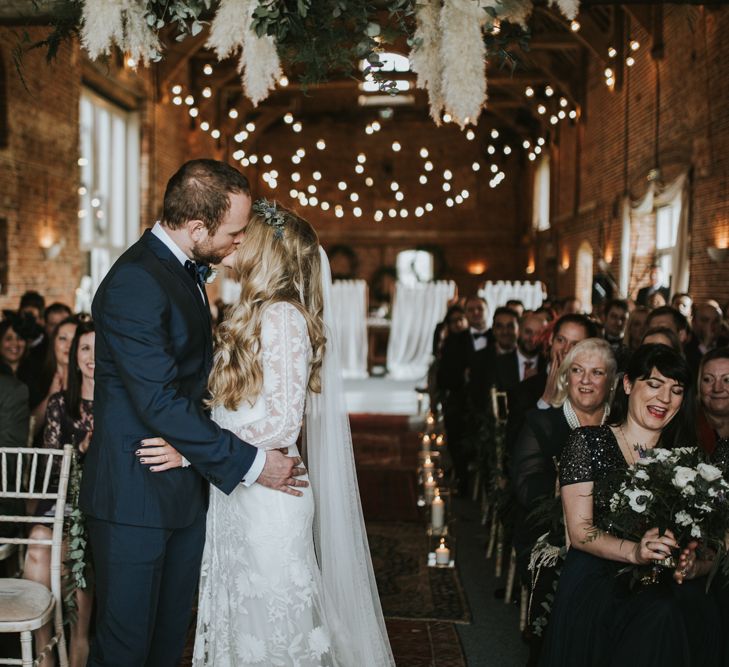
(271, 216)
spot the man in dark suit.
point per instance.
(153, 357)
(656, 285)
(453, 374)
(538, 390)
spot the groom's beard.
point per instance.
(203, 254)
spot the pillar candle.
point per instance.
(437, 512)
(442, 554)
(429, 489)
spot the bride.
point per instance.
(286, 580)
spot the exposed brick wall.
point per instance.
(693, 133)
(38, 175)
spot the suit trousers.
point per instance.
(146, 579)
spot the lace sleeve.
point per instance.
(576, 462)
(54, 419)
(286, 353)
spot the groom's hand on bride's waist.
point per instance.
(281, 472)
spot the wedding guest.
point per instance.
(655, 286)
(712, 422)
(665, 316)
(32, 308)
(615, 321)
(517, 306)
(69, 419)
(52, 376)
(636, 327)
(584, 387)
(454, 322)
(706, 335)
(598, 618)
(683, 303)
(662, 336)
(13, 345)
(539, 389)
(55, 314)
(656, 300)
(453, 373)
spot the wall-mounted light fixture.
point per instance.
(476, 268)
(48, 243)
(717, 254)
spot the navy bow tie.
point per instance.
(198, 272)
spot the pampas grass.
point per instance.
(425, 56)
(463, 54)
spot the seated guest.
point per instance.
(665, 316)
(69, 419)
(655, 286)
(636, 327)
(662, 336)
(706, 335)
(598, 618)
(517, 306)
(584, 389)
(452, 379)
(683, 303)
(13, 345)
(539, 390)
(616, 319)
(505, 369)
(454, 322)
(713, 397)
(51, 377)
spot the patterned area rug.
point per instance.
(409, 589)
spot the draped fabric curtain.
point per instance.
(675, 194)
(499, 292)
(415, 313)
(349, 306)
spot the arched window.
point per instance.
(414, 266)
(583, 289)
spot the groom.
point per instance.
(153, 357)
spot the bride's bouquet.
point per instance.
(671, 489)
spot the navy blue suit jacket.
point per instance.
(153, 357)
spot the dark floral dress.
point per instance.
(62, 429)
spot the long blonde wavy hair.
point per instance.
(271, 266)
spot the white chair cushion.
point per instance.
(22, 600)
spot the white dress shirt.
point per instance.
(480, 342)
(254, 472)
(522, 362)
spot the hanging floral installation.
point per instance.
(449, 52)
(450, 40)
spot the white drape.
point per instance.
(499, 292)
(349, 306)
(675, 193)
(415, 313)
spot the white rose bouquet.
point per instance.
(669, 489)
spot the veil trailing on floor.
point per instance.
(352, 604)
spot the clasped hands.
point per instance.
(654, 546)
(280, 472)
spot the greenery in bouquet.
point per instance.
(673, 490)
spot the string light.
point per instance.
(396, 146)
(193, 112)
(296, 177)
(392, 213)
(428, 166)
(342, 185)
(300, 152)
(204, 126)
(399, 196)
(233, 113)
(353, 196)
(207, 92)
(283, 81)
(541, 109)
(311, 189)
(316, 175)
(494, 134)
(251, 127)
(447, 174)
(549, 91)
(357, 211)
(470, 135)
(423, 179)
(325, 206)
(446, 186)
(207, 69)
(612, 52)
(378, 216)
(634, 44)
(394, 186)
(507, 150)
(176, 89)
(429, 207)
(296, 127)
(529, 92)
(215, 134)
(575, 25)
(288, 118)
(369, 182)
(423, 153)
(490, 149)
(475, 166)
(177, 100)
(321, 144)
(361, 158)
(189, 100)
(630, 61)
(267, 159)
(359, 169)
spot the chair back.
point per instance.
(25, 475)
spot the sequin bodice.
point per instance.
(592, 454)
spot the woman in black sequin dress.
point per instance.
(598, 618)
(69, 420)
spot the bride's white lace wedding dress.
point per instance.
(260, 600)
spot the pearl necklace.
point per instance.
(571, 416)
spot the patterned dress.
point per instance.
(260, 600)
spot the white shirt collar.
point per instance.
(163, 236)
